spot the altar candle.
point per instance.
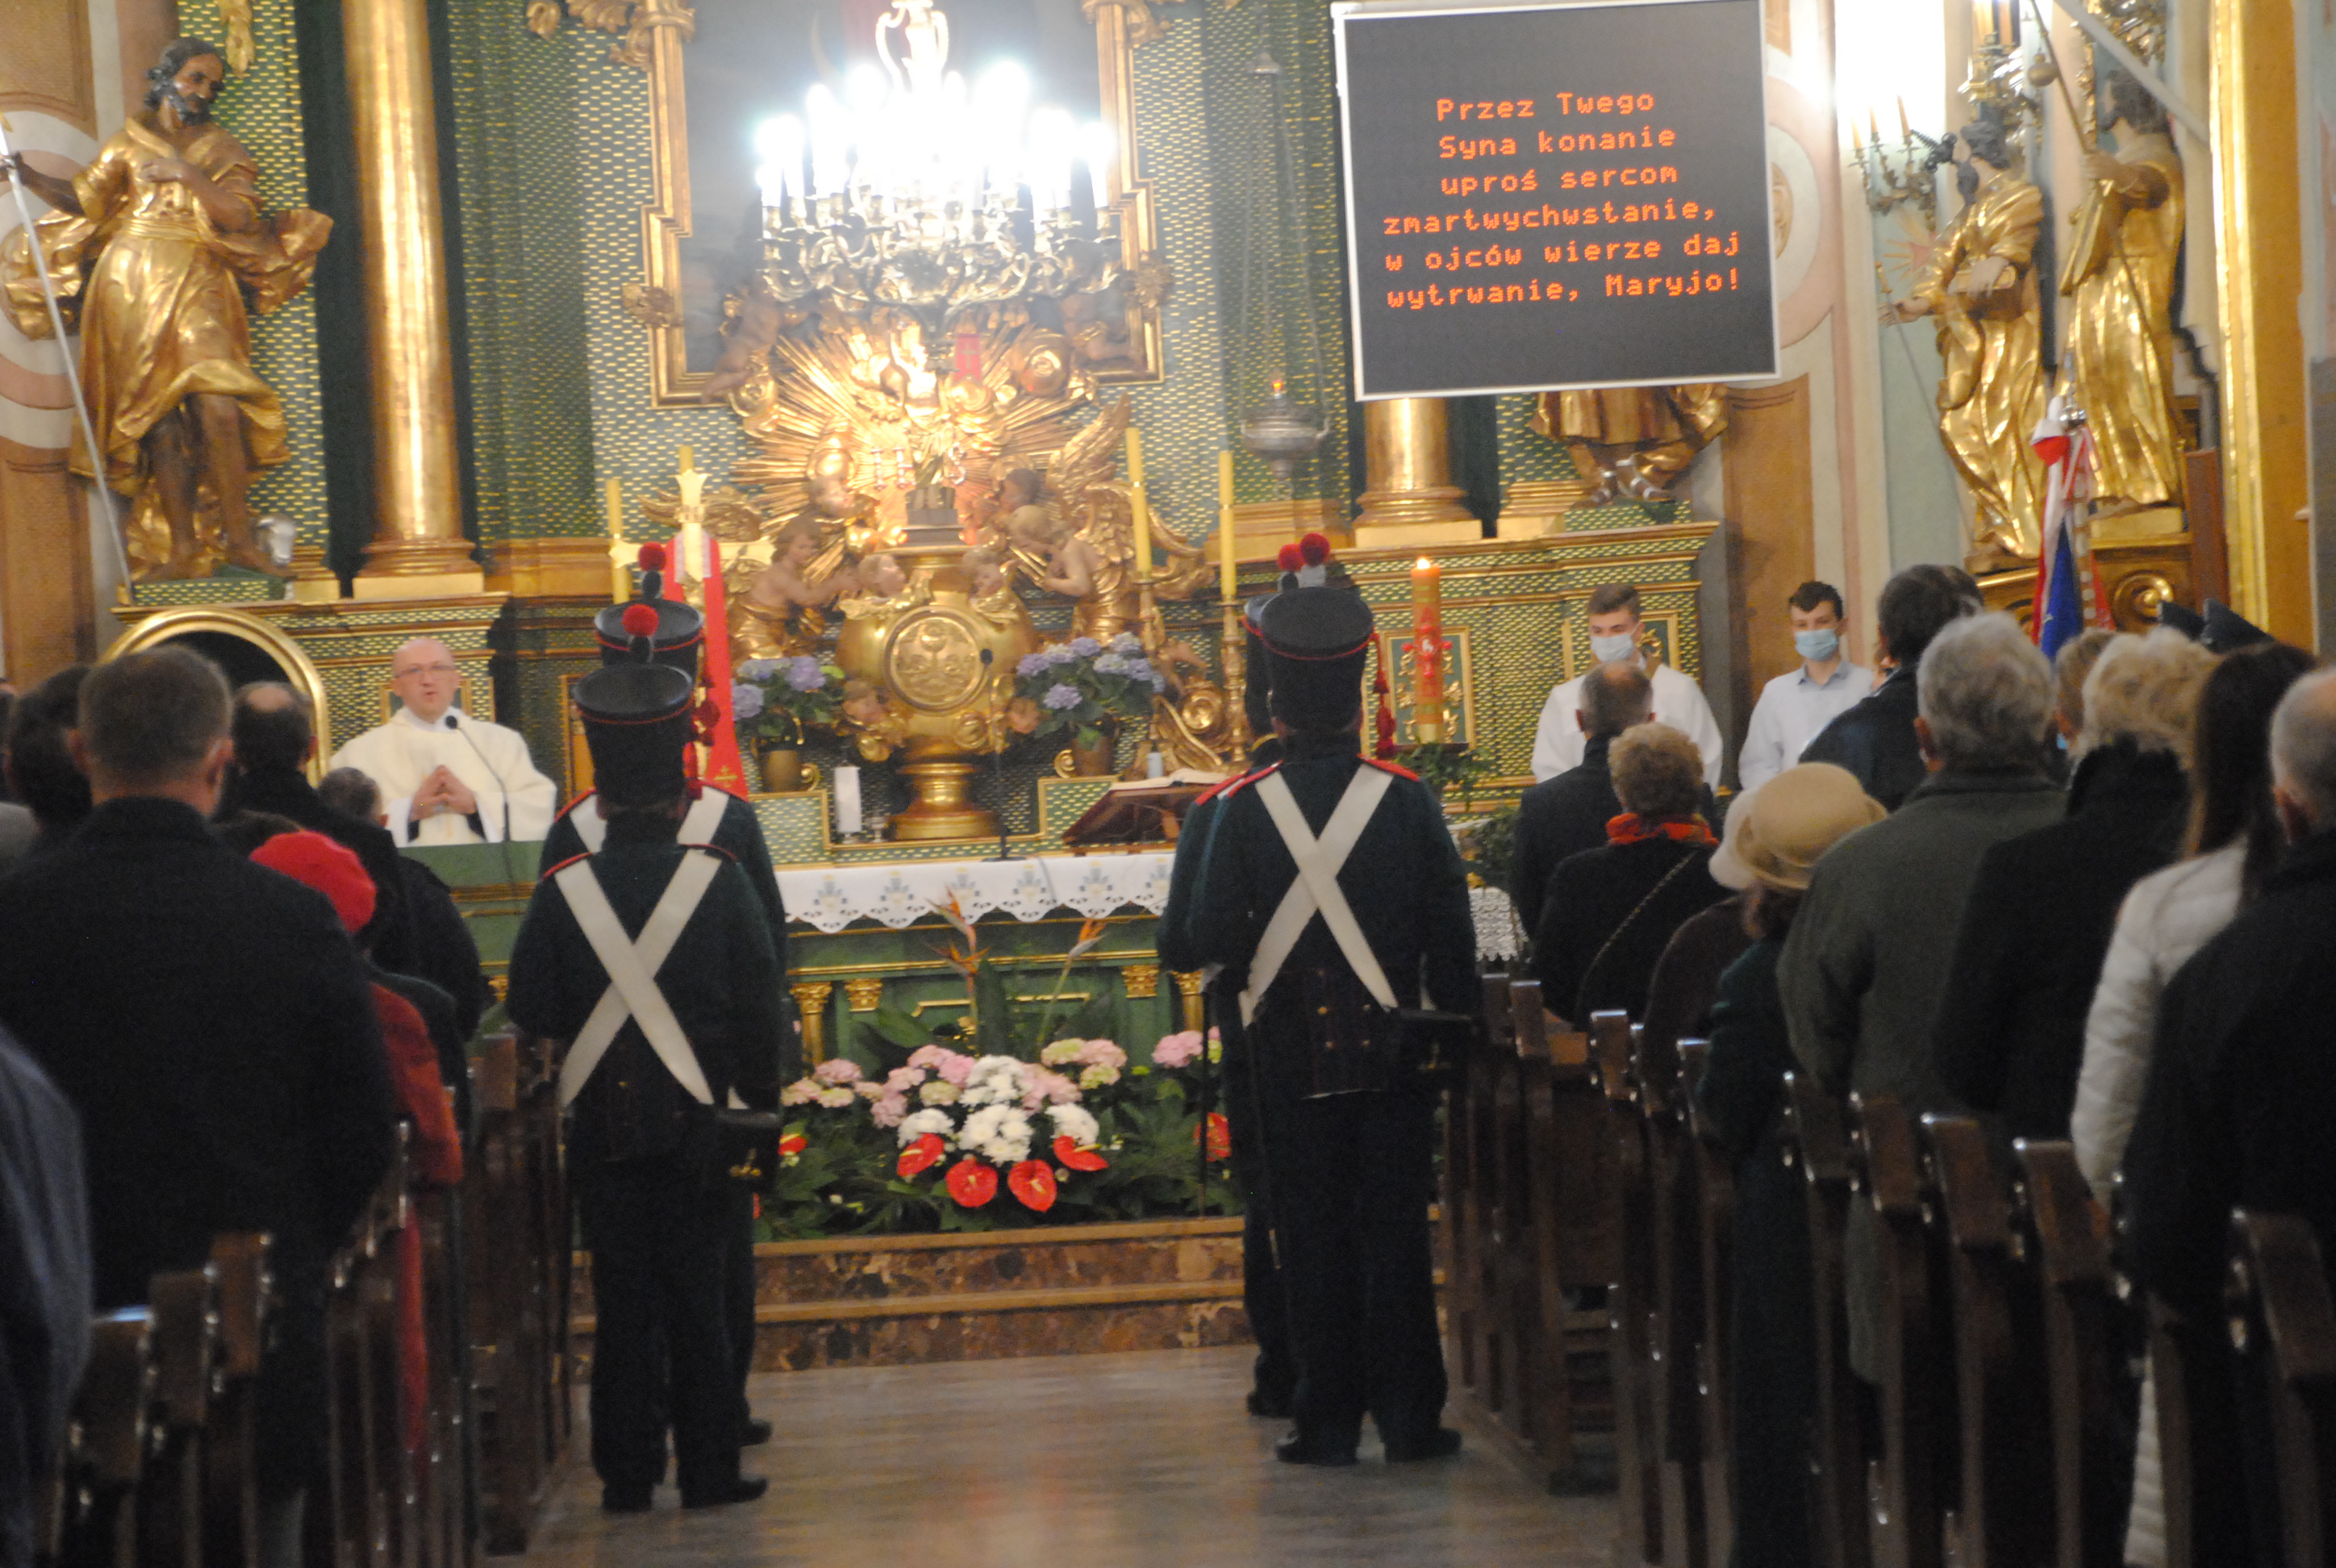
(1140, 503)
(620, 582)
(847, 800)
(1228, 568)
(1905, 131)
(1427, 650)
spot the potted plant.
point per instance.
(1084, 689)
(773, 699)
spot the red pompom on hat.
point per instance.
(1291, 558)
(652, 557)
(330, 867)
(641, 620)
(1314, 549)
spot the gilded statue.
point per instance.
(155, 248)
(2120, 273)
(1981, 295)
(1637, 440)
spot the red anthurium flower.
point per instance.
(1220, 1136)
(920, 1156)
(971, 1183)
(793, 1144)
(1033, 1182)
(1070, 1156)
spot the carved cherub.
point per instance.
(781, 612)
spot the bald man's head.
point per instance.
(1615, 697)
(2303, 756)
(272, 726)
(425, 677)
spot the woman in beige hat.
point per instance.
(1794, 818)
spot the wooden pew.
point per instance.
(2004, 1501)
(1674, 1213)
(1715, 1182)
(2091, 1394)
(1820, 1145)
(182, 1311)
(2284, 1328)
(1915, 1467)
(1631, 1297)
(93, 1518)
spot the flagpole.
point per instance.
(73, 370)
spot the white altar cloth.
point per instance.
(829, 898)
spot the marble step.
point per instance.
(895, 1301)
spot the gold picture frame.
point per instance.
(1119, 26)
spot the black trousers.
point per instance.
(739, 1286)
(1352, 1176)
(659, 1237)
(1262, 1290)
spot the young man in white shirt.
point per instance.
(1794, 707)
(1615, 631)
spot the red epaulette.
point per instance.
(1396, 768)
(551, 872)
(1226, 790)
(571, 806)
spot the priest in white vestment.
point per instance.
(447, 778)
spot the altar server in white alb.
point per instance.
(1615, 631)
(1794, 707)
(447, 778)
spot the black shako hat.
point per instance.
(1317, 640)
(637, 722)
(2227, 630)
(1257, 669)
(680, 631)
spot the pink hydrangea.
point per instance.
(869, 1089)
(1102, 1054)
(901, 1080)
(888, 1111)
(1177, 1050)
(836, 1099)
(1041, 1087)
(802, 1091)
(953, 1066)
(837, 1070)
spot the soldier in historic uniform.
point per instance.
(653, 960)
(713, 819)
(1332, 886)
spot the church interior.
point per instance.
(963, 368)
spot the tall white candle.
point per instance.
(847, 800)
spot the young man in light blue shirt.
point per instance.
(1797, 704)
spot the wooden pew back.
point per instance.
(2284, 1328)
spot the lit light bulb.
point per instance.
(1097, 144)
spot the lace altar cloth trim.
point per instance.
(829, 898)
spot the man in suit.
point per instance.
(212, 1025)
(44, 1290)
(1347, 1117)
(646, 1151)
(1568, 813)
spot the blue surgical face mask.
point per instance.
(1614, 649)
(1818, 645)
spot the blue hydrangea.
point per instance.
(803, 672)
(758, 670)
(1059, 653)
(1085, 647)
(745, 702)
(1061, 698)
(1113, 664)
(1127, 642)
(1032, 664)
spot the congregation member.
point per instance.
(1686, 981)
(1866, 966)
(1609, 912)
(2070, 666)
(447, 778)
(1784, 831)
(1617, 636)
(1795, 706)
(1348, 1118)
(41, 771)
(211, 1024)
(1875, 739)
(445, 954)
(647, 1149)
(1561, 816)
(2010, 1035)
(2240, 1097)
(45, 1294)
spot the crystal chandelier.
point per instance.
(910, 190)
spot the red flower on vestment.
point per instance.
(1033, 1182)
(1071, 1157)
(971, 1183)
(920, 1156)
(1221, 1135)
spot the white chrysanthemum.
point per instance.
(940, 1092)
(994, 1081)
(920, 1122)
(999, 1133)
(1076, 1123)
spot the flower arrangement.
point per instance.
(951, 1141)
(1082, 685)
(773, 699)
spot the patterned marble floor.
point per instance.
(1117, 1461)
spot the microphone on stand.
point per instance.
(511, 875)
(998, 769)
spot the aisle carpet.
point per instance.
(1115, 1461)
